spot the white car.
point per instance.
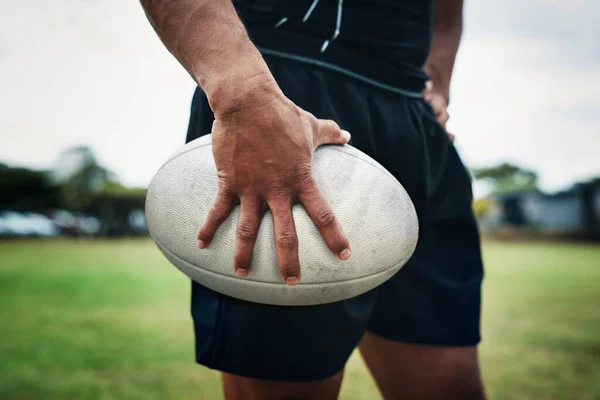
(26, 224)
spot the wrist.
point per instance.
(238, 79)
(238, 93)
(439, 84)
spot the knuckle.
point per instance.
(246, 231)
(311, 120)
(324, 218)
(225, 181)
(225, 189)
(287, 240)
(278, 189)
(330, 124)
(304, 178)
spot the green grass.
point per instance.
(110, 320)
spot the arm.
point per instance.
(262, 143)
(210, 41)
(447, 31)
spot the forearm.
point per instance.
(447, 31)
(210, 41)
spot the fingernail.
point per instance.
(201, 244)
(346, 135)
(241, 272)
(291, 281)
(345, 254)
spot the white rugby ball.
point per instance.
(372, 207)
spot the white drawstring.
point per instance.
(338, 22)
(310, 10)
(338, 25)
(281, 21)
(306, 16)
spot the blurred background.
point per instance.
(93, 104)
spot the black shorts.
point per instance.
(434, 299)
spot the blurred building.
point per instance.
(573, 212)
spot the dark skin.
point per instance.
(241, 148)
(263, 145)
(422, 372)
(447, 30)
(262, 142)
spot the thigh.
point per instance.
(435, 299)
(237, 387)
(422, 372)
(423, 332)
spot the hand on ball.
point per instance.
(263, 154)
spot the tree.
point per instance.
(482, 207)
(508, 178)
(23, 189)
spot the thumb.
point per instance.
(328, 132)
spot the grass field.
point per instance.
(110, 320)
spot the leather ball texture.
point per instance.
(372, 207)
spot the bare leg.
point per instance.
(241, 388)
(422, 372)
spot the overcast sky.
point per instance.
(526, 87)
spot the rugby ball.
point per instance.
(372, 207)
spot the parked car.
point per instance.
(13, 223)
(76, 224)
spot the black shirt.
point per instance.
(383, 42)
